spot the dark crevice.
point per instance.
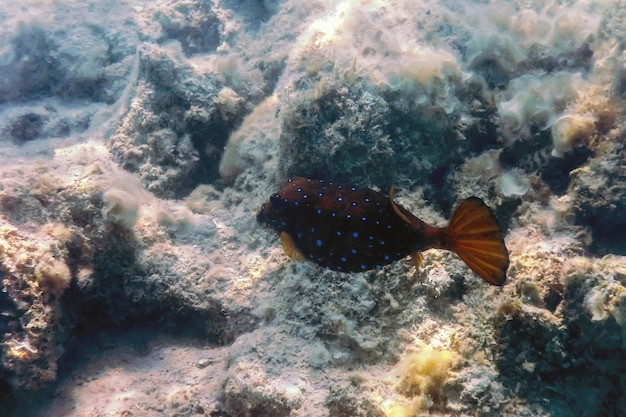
(556, 171)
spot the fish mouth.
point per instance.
(262, 216)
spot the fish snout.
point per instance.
(263, 215)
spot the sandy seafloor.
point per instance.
(139, 138)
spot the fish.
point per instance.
(350, 229)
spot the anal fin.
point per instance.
(290, 247)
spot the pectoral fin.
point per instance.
(417, 260)
(290, 247)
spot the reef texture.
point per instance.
(140, 138)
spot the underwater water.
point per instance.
(139, 140)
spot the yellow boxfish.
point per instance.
(351, 229)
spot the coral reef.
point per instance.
(599, 191)
(571, 348)
(139, 139)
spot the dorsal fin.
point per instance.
(404, 214)
(392, 192)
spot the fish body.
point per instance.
(348, 229)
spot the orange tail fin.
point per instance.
(474, 234)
